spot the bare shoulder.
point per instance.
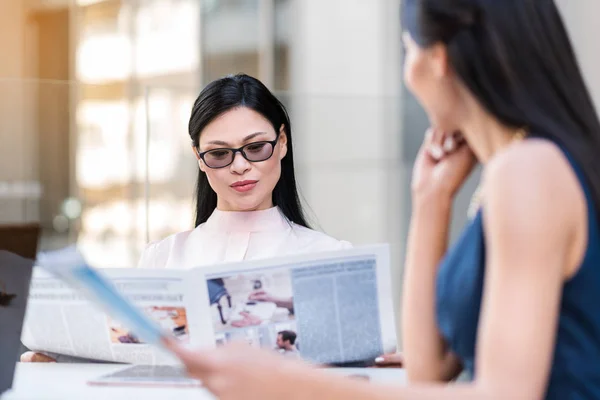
(156, 253)
(530, 156)
(535, 170)
(534, 185)
(318, 241)
(171, 240)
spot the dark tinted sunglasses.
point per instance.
(253, 152)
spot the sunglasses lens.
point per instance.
(259, 151)
(218, 158)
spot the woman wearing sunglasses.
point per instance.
(247, 203)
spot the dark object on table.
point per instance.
(5, 297)
(20, 239)
(15, 275)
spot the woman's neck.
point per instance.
(226, 206)
(486, 135)
(270, 219)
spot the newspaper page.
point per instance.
(331, 309)
(60, 319)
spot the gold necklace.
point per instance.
(476, 199)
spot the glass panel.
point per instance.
(167, 33)
(20, 173)
(124, 47)
(172, 167)
(36, 165)
(107, 181)
(104, 42)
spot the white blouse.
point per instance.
(229, 236)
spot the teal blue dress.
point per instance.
(575, 370)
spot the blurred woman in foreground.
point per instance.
(247, 201)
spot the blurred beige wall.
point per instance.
(34, 111)
(12, 119)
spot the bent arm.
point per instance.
(425, 353)
(530, 237)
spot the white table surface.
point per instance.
(69, 381)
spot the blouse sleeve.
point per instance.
(158, 254)
(149, 257)
(345, 245)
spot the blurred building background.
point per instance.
(96, 94)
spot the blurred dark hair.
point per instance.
(228, 93)
(516, 58)
(288, 336)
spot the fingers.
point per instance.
(186, 356)
(440, 144)
(27, 356)
(435, 148)
(461, 145)
(428, 137)
(199, 364)
(450, 143)
(33, 357)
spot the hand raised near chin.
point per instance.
(442, 165)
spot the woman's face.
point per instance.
(242, 185)
(429, 77)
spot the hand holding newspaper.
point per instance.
(331, 308)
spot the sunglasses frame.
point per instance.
(239, 150)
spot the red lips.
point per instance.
(244, 186)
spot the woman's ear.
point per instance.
(197, 155)
(283, 142)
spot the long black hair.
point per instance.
(226, 94)
(515, 56)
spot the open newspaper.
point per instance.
(330, 308)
